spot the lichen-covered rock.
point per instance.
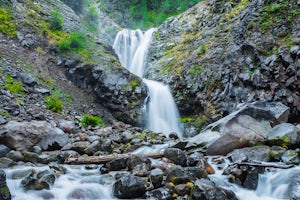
(131, 186)
(206, 190)
(176, 155)
(285, 135)
(38, 180)
(256, 154)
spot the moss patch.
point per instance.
(7, 25)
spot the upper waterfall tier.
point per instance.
(131, 47)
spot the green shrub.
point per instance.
(76, 5)
(75, 42)
(88, 120)
(14, 87)
(56, 21)
(54, 104)
(7, 25)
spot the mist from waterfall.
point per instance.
(162, 114)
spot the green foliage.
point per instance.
(91, 19)
(145, 13)
(54, 104)
(7, 25)
(75, 42)
(14, 87)
(56, 21)
(202, 49)
(273, 8)
(88, 120)
(195, 70)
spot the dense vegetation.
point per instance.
(144, 13)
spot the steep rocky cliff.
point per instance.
(222, 53)
(86, 57)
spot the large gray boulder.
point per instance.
(247, 126)
(25, 135)
(285, 134)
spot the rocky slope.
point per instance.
(222, 53)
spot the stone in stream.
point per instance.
(156, 177)
(130, 186)
(176, 155)
(206, 190)
(4, 190)
(3, 150)
(38, 180)
(160, 193)
(256, 153)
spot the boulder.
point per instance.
(156, 177)
(25, 135)
(206, 190)
(131, 186)
(38, 180)
(285, 135)
(3, 150)
(160, 193)
(245, 127)
(176, 155)
(256, 154)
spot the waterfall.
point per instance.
(162, 114)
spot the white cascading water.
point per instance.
(162, 113)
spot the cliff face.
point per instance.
(219, 54)
(84, 56)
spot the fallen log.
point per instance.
(272, 165)
(107, 158)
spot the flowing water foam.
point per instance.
(162, 114)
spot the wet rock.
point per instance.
(116, 164)
(195, 173)
(4, 190)
(251, 180)
(38, 180)
(66, 154)
(134, 160)
(285, 135)
(277, 152)
(143, 169)
(3, 150)
(183, 189)
(25, 135)
(291, 157)
(206, 190)
(156, 177)
(159, 193)
(177, 175)
(6, 162)
(195, 158)
(257, 153)
(21, 173)
(131, 186)
(32, 157)
(176, 155)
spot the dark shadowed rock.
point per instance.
(38, 180)
(156, 177)
(3, 150)
(160, 193)
(176, 155)
(206, 190)
(131, 187)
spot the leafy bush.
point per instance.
(75, 42)
(14, 87)
(88, 120)
(91, 19)
(56, 21)
(54, 104)
(7, 25)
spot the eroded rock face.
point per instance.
(215, 56)
(25, 135)
(116, 88)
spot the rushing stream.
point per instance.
(162, 114)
